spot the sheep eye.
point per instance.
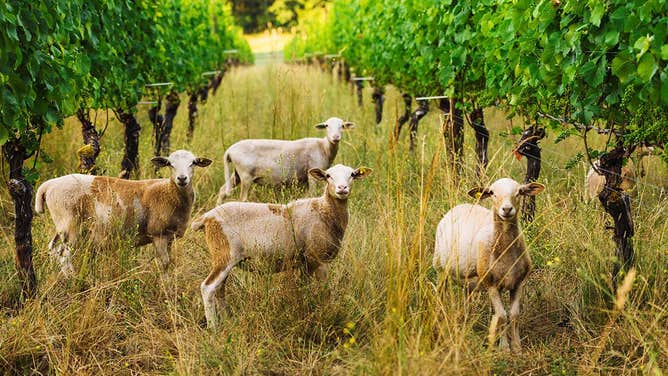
(327, 176)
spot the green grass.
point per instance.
(384, 309)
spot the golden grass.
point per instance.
(384, 309)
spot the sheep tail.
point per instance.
(40, 198)
(230, 174)
(198, 223)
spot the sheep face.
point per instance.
(340, 179)
(334, 127)
(182, 163)
(505, 194)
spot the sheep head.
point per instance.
(505, 194)
(182, 163)
(334, 127)
(340, 178)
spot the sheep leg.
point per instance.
(225, 191)
(498, 320)
(321, 273)
(515, 295)
(162, 248)
(245, 188)
(222, 194)
(61, 252)
(214, 282)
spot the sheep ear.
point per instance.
(348, 125)
(318, 174)
(480, 193)
(160, 162)
(321, 125)
(531, 189)
(362, 172)
(202, 162)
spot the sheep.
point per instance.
(158, 209)
(279, 162)
(306, 233)
(594, 182)
(486, 246)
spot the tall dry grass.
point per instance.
(384, 310)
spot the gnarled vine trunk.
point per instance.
(91, 139)
(171, 107)
(378, 97)
(346, 71)
(618, 205)
(215, 82)
(528, 147)
(129, 164)
(453, 131)
(157, 120)
(204, 93)
(408, 101)
(359, 87)
(192, 115)
(21, 191)
(416, 116)
(481, 139)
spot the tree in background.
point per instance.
(258, 15)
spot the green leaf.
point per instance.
(4, 135)
(664, 52)
(597, 12)
(642, 44)
(647, 67)
(623, 67)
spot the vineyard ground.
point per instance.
(384, 309)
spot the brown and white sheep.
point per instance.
(157, 209)
(305, 233)
(594, 182)
(477, 244)
(279, 162)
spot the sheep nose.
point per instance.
(181, 179)
(506, 210)
(342, 188)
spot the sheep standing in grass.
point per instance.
(477, 244)
(157, 209)
(305, 233)
(279, 162)
(594, 182)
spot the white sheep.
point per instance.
(594, 182)
(279, 162)
(306, 233)
(158, 210)
(477, 244)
